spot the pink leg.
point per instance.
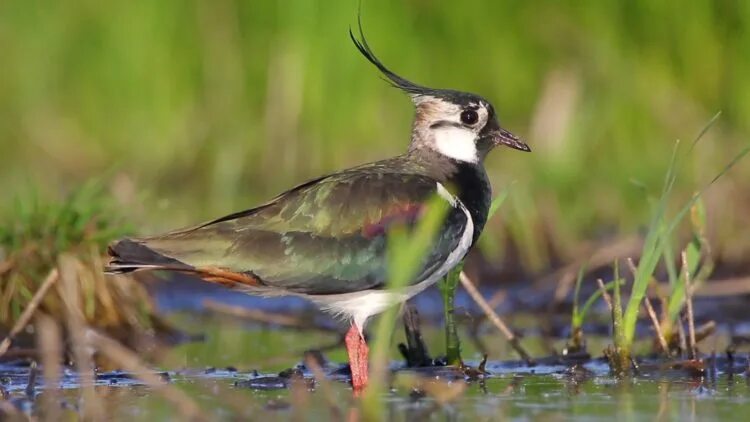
(358, 354)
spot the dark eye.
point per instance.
(469, 117)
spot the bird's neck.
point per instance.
(467, 180)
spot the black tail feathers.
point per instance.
(130, 255)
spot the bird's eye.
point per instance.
(469, 117)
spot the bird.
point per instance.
(325, 240)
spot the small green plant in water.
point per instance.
(656, 243)
(699, 264)
(448, 291)
(619, 355)
(577, 341)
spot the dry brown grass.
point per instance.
(117, 305)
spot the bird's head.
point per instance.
(459, 125)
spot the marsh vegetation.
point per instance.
(613, 277)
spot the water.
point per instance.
(550, 394)
(553, 389)
(241, 370)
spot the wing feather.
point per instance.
(324, 237)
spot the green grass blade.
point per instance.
(651, 252)
(705, 129)
(405, 254)
(577, 318)
(656, 241)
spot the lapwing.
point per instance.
(325, 240)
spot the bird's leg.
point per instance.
(448, 290)
(358, 352)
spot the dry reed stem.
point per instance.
(494, 318)
(605, 294)
(650, 311)
(689, 307)
(681, 334)
(28, 312)
(631, 266)
(657, 326)
(49, 343)
(70, 294)
(131, 363)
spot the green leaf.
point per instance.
(405, 254)
(577, 319)
(659, 235)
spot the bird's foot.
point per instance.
(358, 352)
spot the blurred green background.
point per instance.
(190, 110)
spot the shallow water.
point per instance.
(553, 389)
(235, 373)
(553, 393)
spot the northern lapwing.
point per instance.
(325, 240)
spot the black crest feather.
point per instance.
(392, 78)
(402, 83)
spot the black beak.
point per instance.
(501, 136)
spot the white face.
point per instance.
(452, 130)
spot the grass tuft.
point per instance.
(656, 248)
(35, 242)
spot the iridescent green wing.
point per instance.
(326, 236)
